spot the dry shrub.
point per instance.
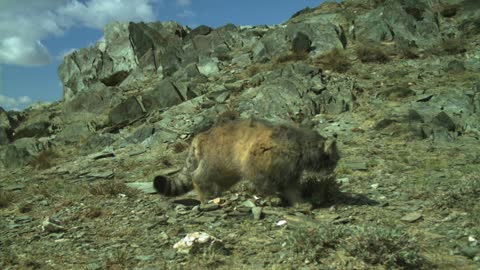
(408, 53)
(179, 147)
(45, 160)
(335, 60)
(6, 198)
(291, 57)
(93, 212)
(453, 46)
(252, 70)
(371, 54)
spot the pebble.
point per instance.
(412, 217)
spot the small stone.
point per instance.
(145, 187)
(357, 165)
(470, 252)
(144, 258)
(374, 186)
(51, 225)
(412, 217)
(257, 212)
(195, 242)
(248, 203)
(281, 223)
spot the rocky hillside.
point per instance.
(397, 81)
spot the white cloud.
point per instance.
(186, 14)
(24, 23)
(10, 103)
(184, 3)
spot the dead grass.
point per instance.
(389, 247)
(111, 188)
(6, 198)
(94, 212)
(45, 160)
(291, 57)
(118, 260)
(371, 54)
(179, 147)
(453, 46)
(335, 61)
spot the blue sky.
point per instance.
(35, 35)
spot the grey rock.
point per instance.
(79, 70)
(97, 100)
(470, 252)
(443, 120)
(21, 152)
(301, 43)
(169, 254)
(259, 53)
(128, 110)
(30, 130)
(51, 225)
(165, 94)
(242, 60)
(400, 22)
(98, 142)
(208, 66)
(257, 213)
(397, 92)
(248, 203)
(472, 61)
(412, 217)
(141, 134)
(356, 165)
(200, 30)
(145, 187)
(5, 135)
(75, 132)
(455, 66)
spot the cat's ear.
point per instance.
(330, 147)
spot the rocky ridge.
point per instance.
(396, 81)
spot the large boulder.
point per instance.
(5, 128)
(408, 22)
(78, 71)
(151, 48)
(125, 112)
(164, 94)
(21, 152)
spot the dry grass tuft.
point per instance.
(371, 54)
(6, 198)
(335, 60)
(45, 160)
(291, 57)
(453, 46)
